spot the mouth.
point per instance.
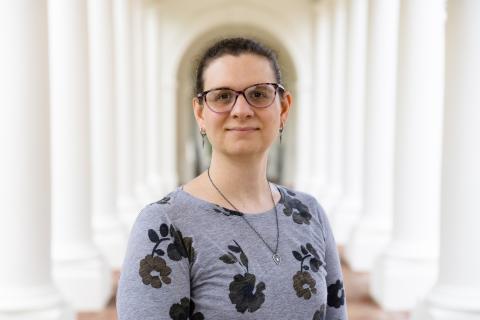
(243, 129)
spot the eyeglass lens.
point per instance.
(259, 96)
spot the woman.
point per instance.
(229, 244)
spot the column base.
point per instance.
(368, 240)
(399, 282)
(38, 303)
(449, 302)
(85, 283)
(427, 312)
(110, 237)
(344, 218)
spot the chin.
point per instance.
(243, 150)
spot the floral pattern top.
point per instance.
(191, 259)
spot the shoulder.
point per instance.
(306, 204)
(304, 197)
(160, 221)
(169, 208)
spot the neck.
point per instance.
(242, 181)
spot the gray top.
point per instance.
(191, 259)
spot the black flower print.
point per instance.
(294, 207)
(164, 200)
(303, 282)
(241, 293)
(315, 261)
(242, 287)
(153, 268)
(227, 212)
(151, 264)
(336, 294)
(185, 310)
(304, 285)
(181, 247)
(320, 314)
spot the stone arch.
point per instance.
(224, 17)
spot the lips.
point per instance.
(243, 129)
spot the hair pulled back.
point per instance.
(235, 46)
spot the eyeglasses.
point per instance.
(221, 100)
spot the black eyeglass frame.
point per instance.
(201, 96)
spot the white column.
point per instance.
(347, 212)
(168, 123)
(371, 235)
(110, 234)
(80, 272)
(304, 142)
(127, 204)
(336, 106)
(456, 294)
(142, 193)
(154, 108)
(26, 285)
(321, 71)
(411, 256)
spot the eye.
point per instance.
(260, 93)
(222, 95)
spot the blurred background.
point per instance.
(96, 122)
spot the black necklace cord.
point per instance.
(258, 234)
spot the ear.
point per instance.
(285, 105)
(198, 113)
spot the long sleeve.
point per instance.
(155, 277)
(336, 300)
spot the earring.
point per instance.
(281, 133)
(203, 134)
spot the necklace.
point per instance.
(275, 255)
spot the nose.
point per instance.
(241, 108)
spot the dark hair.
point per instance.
(235, 47)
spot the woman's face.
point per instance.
(245, 130)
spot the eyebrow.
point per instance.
(223, 88)
(227, 88)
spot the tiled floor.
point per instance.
(360, 305)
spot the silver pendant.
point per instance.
(276, 258)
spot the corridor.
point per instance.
(97, 122)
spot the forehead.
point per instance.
(238, 72)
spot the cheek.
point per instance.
(272, 127)
(274, 119)
(273, 133)
(214, 124)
